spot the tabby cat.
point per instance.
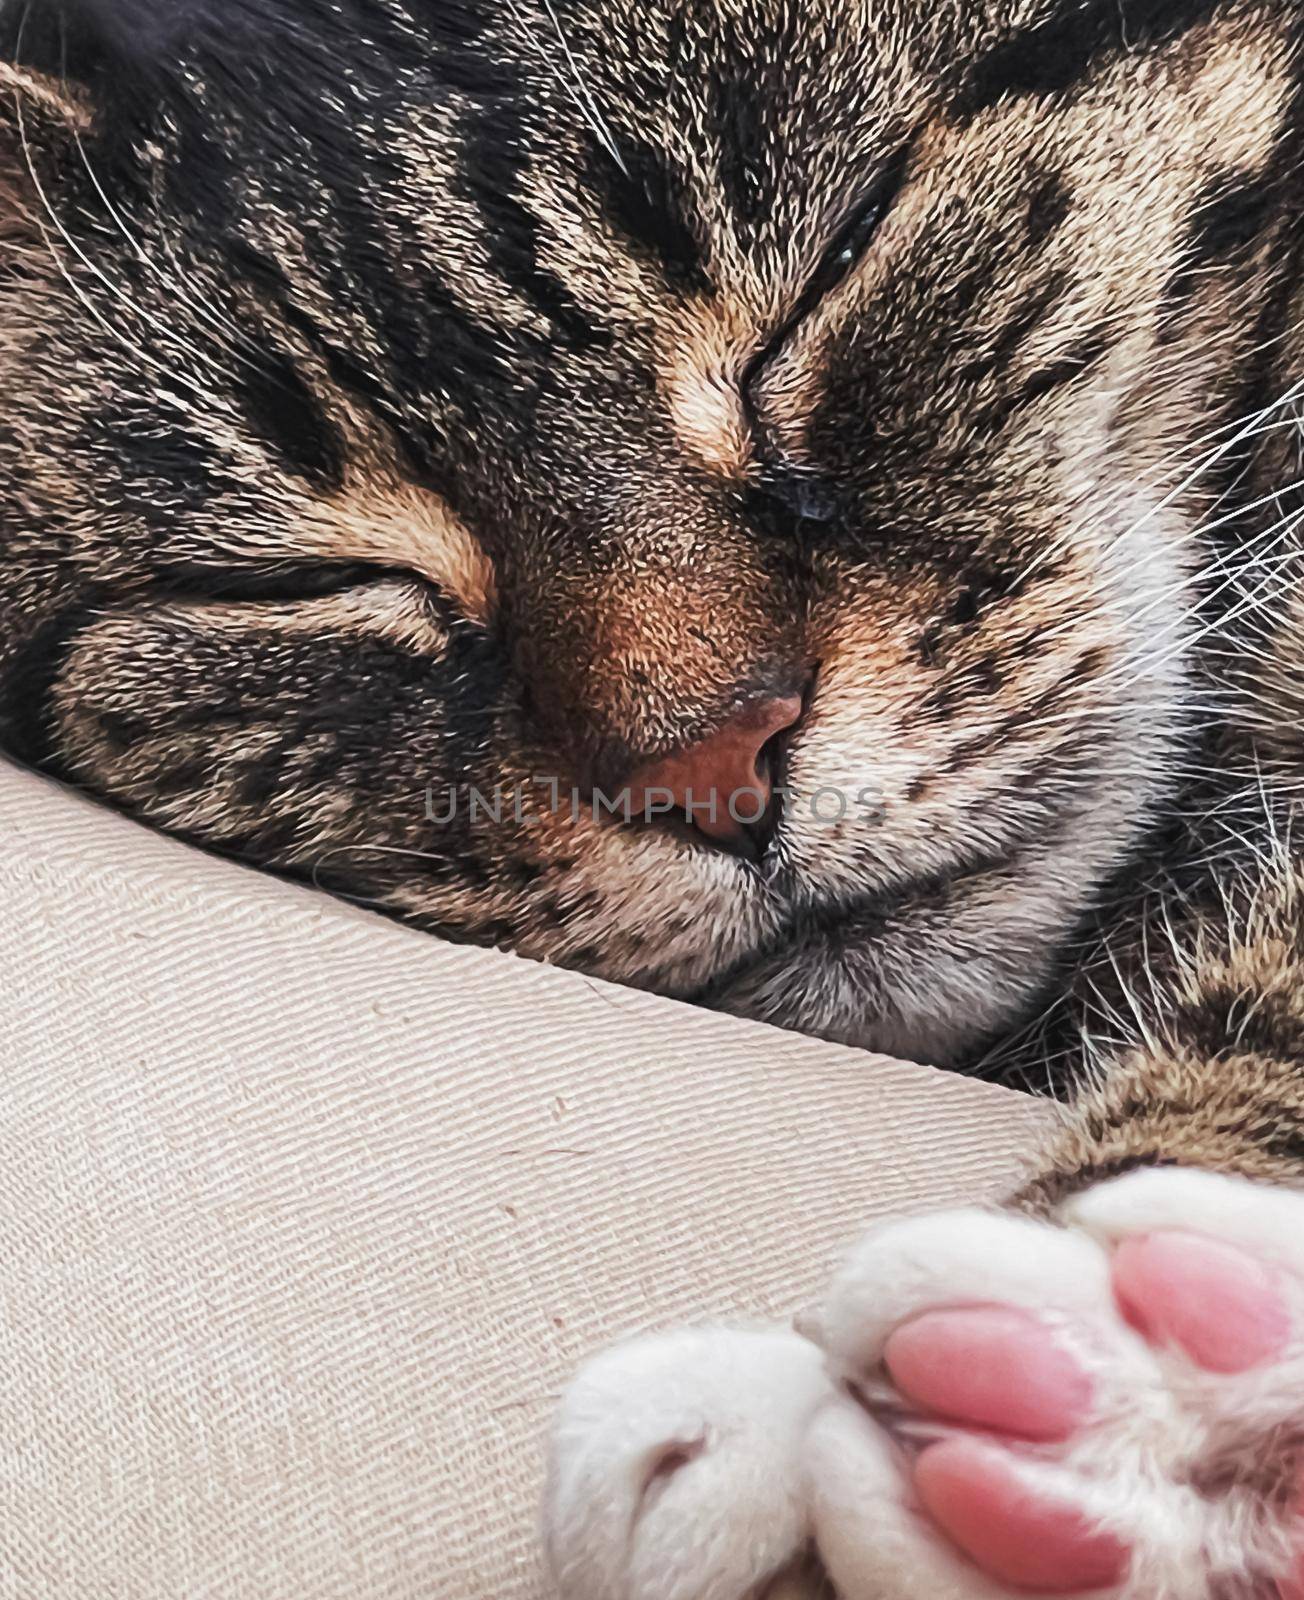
(423, 419)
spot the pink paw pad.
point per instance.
(977, 1495)
(990, 1367)
(999, 1368)
(1224, 1308)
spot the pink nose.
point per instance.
(721, 783)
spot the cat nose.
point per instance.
(723, 784)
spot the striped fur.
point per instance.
(419, 393)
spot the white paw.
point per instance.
(1113, 1406)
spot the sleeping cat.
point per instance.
(860, 442)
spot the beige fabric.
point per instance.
(304, 1217)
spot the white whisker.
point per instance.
(575, 88)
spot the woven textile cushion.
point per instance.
(304, 1217)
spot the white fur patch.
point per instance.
(675, 1467)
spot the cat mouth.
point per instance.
(865, 915)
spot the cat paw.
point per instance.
(1113, 1404)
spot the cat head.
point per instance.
(824, 397)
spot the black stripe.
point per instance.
(1042, 384)
(1233, 216)
(420, 444)
(1230, 217)
(742, 99)
(156, 470)
(463, 355)
(1056, 1187)
(648, 202)
(1225, 1021)
(1016, 331)
(284, 413)
(493, 162)
(953, 694)
(1048, 206)
(1059, 52)
(1264, 380)
(25, 723)
(255, 581)
(1136, 1108)
(978, 586)
(461, 55)
(1284, 1147)
(201, 177)
(960, 295)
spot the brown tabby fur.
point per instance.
(415, 393)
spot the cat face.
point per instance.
(619, 373)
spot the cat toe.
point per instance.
(1030, 1323)
(1226, 1309)
(1001, 1371)
(674, 1468)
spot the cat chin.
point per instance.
(929, 974)
(928, 1014)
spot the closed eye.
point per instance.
(844, 252)
(854, 237)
